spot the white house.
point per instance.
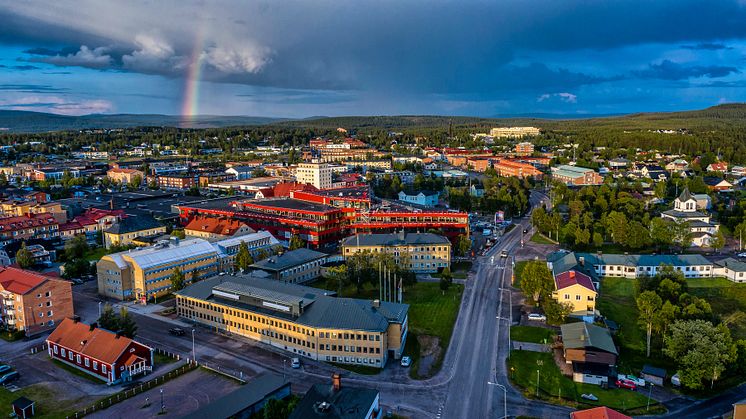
(686, 210)
(732, 269)
(423, 198)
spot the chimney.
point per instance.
(76, 319)
(336, 382)
(376, 303)
(118, 334)
(582, 260)
(93, 326)
(572, 274)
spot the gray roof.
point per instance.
(732, 264)
(322, 310)
(585, 335)
(258, 389)
(134, 224)
(684, 214)
(394, 239)
(288, 260)
(156, 255)
(565, 261)
(685, 195)
(654, 371)
(345, 403)
(265, 292)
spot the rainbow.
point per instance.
(189, 106)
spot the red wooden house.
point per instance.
(99, 352)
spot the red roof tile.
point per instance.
(213, 225)
(602, 412)
(20, 281)
(569, 278)
(98, 343)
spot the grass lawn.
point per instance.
(541, 239)
(161, 359)
(519, 267)
(555, 387)
(726, 298)
(359, 369)
(49, 404)
(79, 373)
(96, 254)
(531, 334)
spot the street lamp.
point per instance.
(99, 309)
(505, 398)
(194, 352)
(163, 406)
(283, 368)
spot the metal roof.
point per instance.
(393, 239)
(288, 260)
(157, 255)
(585, 335)
(264, 293)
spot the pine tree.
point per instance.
(126, 324)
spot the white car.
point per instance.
(295, 363)
(742, 255)
(537, 317)
(406, 361)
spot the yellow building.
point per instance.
(125, 176)
(300, 320)
(146, 273)
(130, 228)
(417, 252)
(577, 289)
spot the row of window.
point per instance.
(77, 359)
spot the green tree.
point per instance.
(24, 259)
(536, 280)
(445, 279)
(463, 244)
(337, 277)
(243, 257)
(3, 179)
(77, 247)
(637, 235)
(598, 239)
(296, 242)
(557, 312)
(702, 351)
(648, 305)
(718, 241)
(661, 232)
(177, 280)
(108, 319)
(136, 182)
(126, 324)
(179, 233)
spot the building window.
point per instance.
(62, 352)
(95, 365)
(87, 362)
(55, 349)
(103, 368)
(77, 358)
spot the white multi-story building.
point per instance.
(314, 173)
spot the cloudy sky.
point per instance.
(295, 58)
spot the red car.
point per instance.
(626, 384)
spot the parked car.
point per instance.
(537, 317)
(4, 369)
(176, 331)
(639, 382)
(626, 384)
(406, 361)
(9, 378)
(589, 396)
(295, 363)
(504, 254)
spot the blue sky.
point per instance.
(308, 58)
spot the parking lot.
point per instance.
(181, 396)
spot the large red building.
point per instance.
(99, 352)
(325, 217)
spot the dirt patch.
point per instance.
(429, 353)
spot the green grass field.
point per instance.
(49, 404)
(531, 334)
(541, 239)
(518, 271)
(523, 366)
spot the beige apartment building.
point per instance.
(32, 302)
(514, 132)
(124, 176)
(145, 274)
(314, 173)
(418, 252)
(302, 321)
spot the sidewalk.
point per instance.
(530, 346)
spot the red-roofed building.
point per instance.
(720, 166)
(510, 168)
(90, 222)
(31, 226)
(103, 354)
(601, 412)
(283, 189)
(577, 289)
(216, 228)
(32, 302)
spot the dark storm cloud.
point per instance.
(669, 70)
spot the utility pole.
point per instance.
(194, 352)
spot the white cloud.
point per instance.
(563, 96)
(56, 104)
(245, 59)
(85, 57)
(153, 54)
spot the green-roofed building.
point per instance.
(590, 350)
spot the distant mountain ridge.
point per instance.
(29, 122)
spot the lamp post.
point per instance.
(163, 406)
(505, 394)
(538, 376)
(650, 390)
(194, 352)
(99, 309)
(283, 368)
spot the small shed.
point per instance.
(23, 407)
(653, 374)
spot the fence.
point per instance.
(230, 373)
(137, 389)
(39, 348)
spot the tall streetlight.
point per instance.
(163, 406)
(99, 309)
(283, 368)
(505, 394)
(194, 352)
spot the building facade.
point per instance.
(32, 302)
(417, 252)
(577, 289)
(129, 229)
(105, 355)
(296, 266)
(302, 321)
(576, 176)
(216, 228)
(317, 174)
(125, 176)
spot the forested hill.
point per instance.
(29, 122)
